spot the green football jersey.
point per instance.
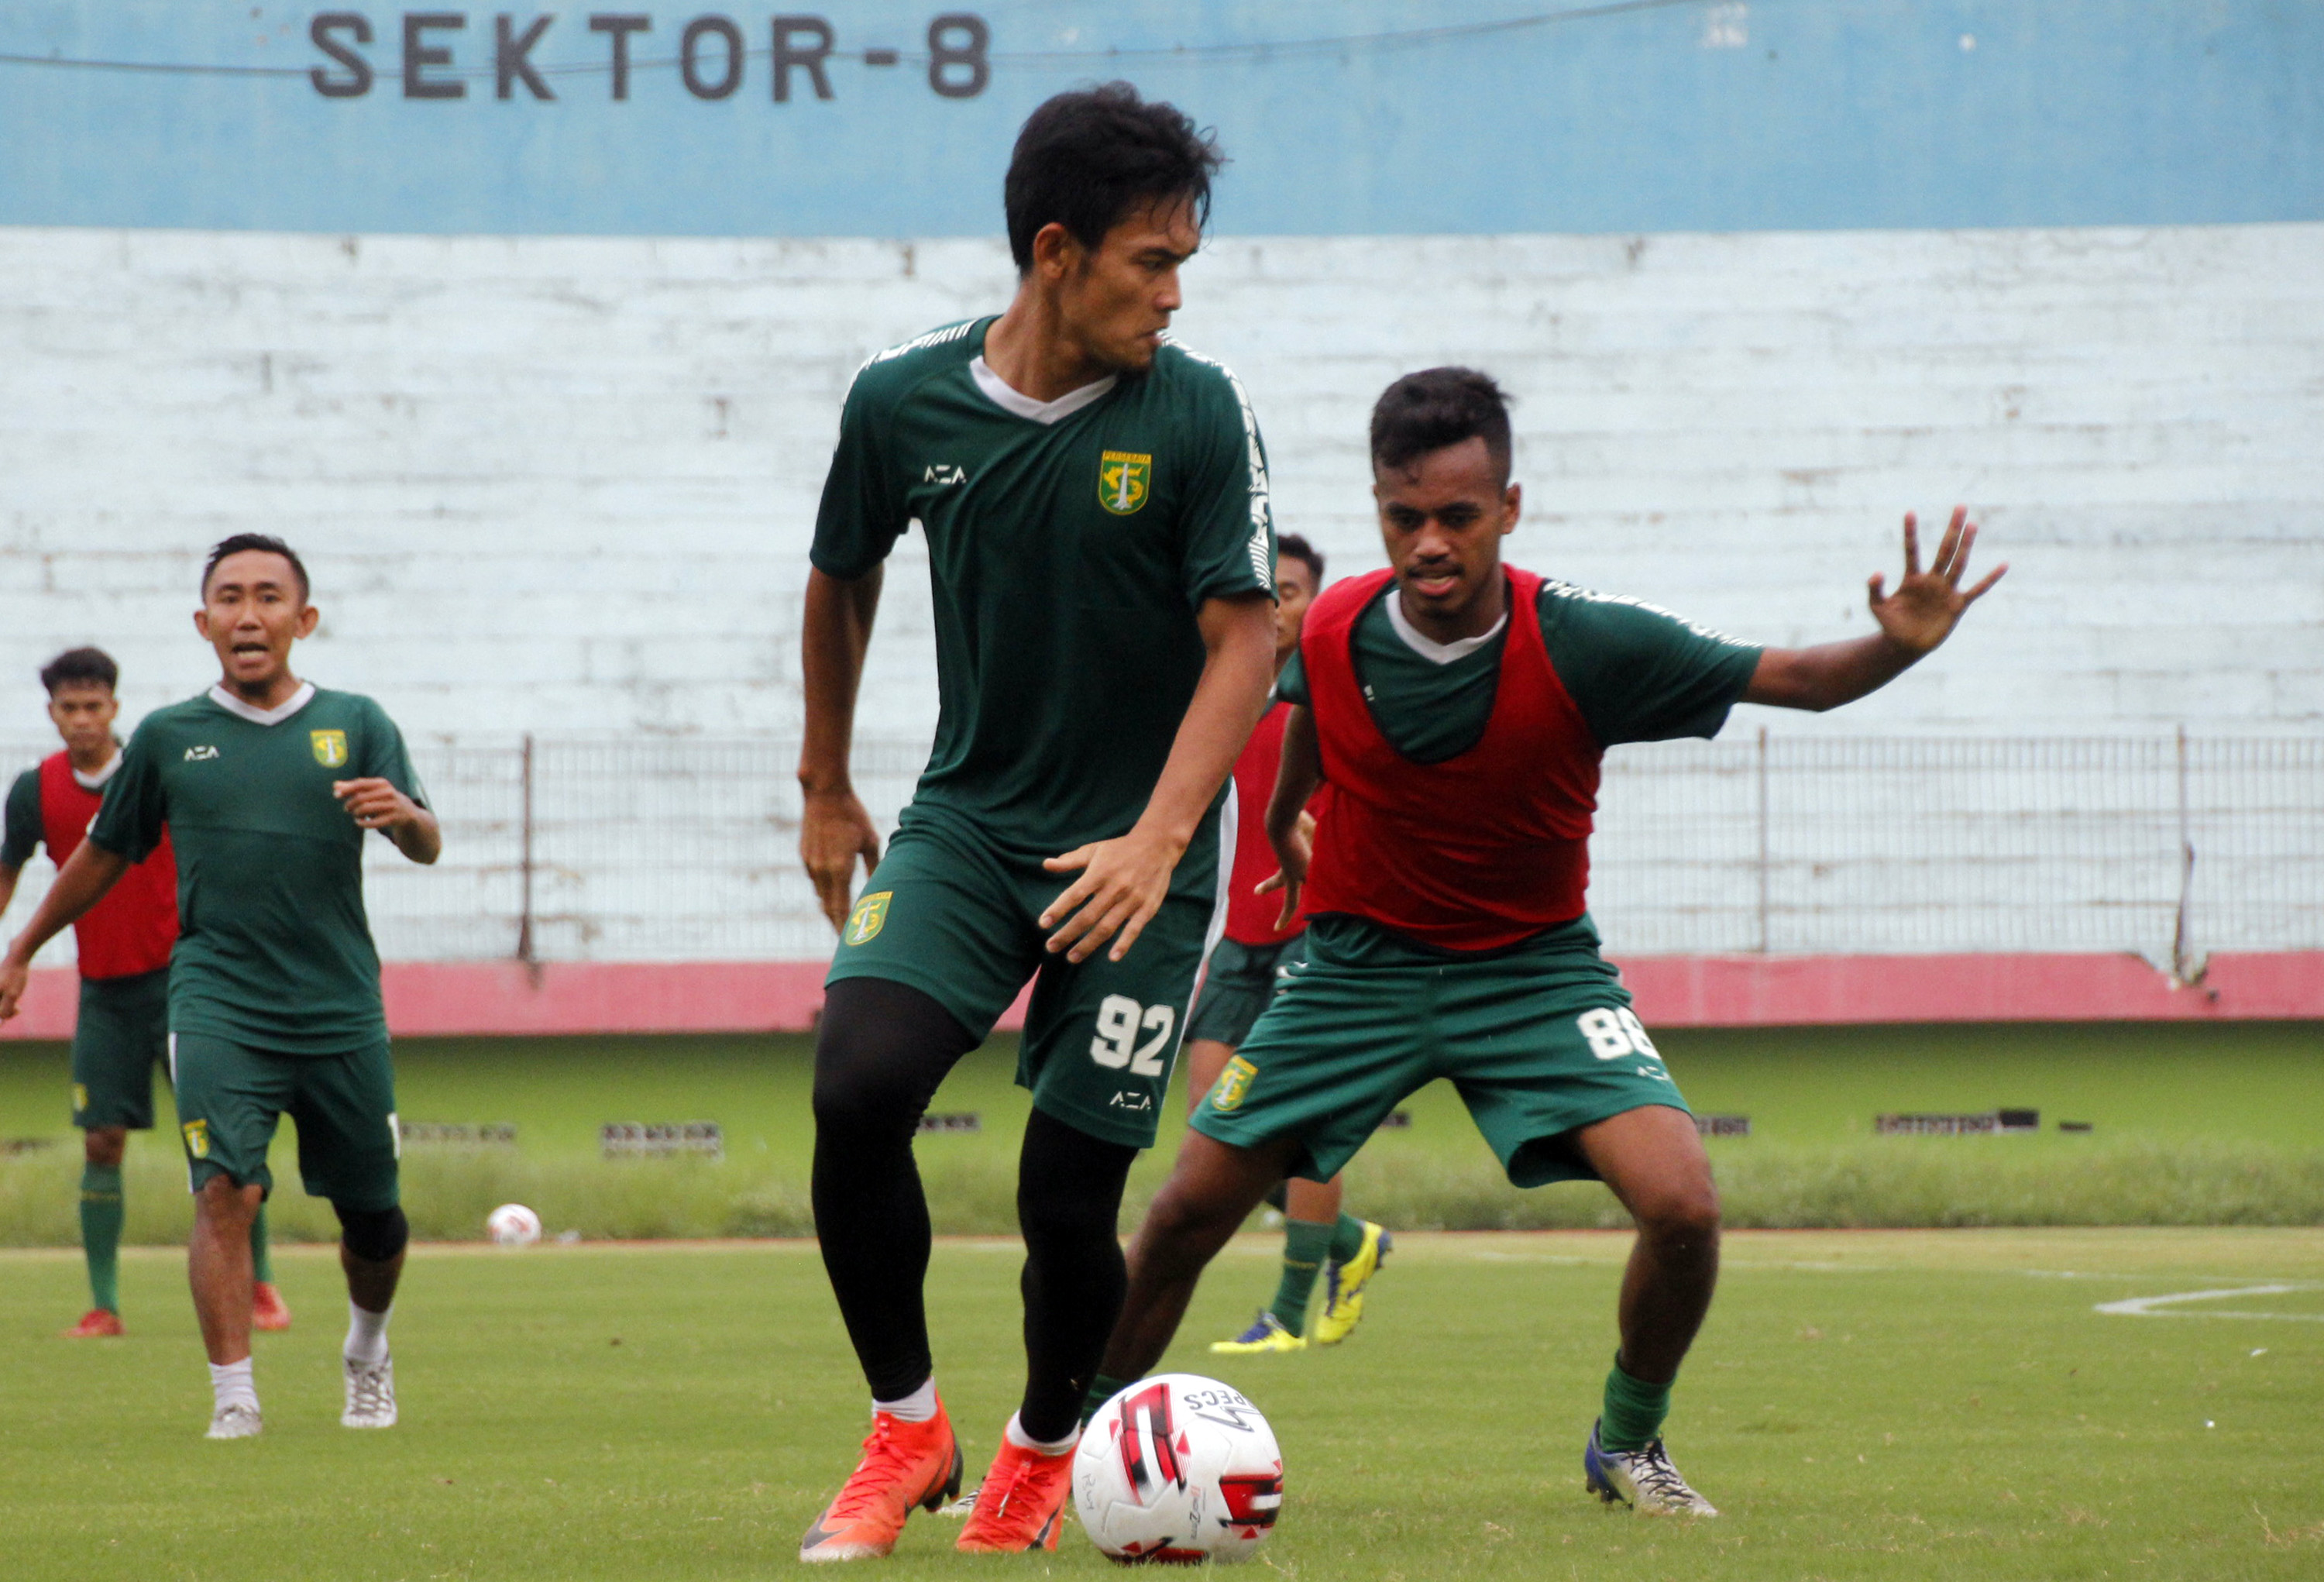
(1070, 544)
(274, 950)
(21, 827)
(1638, 673)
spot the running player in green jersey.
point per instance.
(1095, 498)
(121, 1030)
(266, 784)
(1458, 709)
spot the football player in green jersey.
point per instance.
(121, 1030)
(1460, 708)
(266, 785)
(1095, 498)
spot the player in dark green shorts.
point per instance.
(121, 1032)
(265, 785)
(1458, 709)
(1095, 498)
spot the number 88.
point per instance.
(1614, 1032)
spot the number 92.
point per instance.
(1120, 1020)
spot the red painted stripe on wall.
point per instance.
(427, 999)
(1776, 991)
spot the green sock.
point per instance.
(1104, 1388)
(1634, 1410)
(261, 1263)
(101, 1214)
(1346, 1238)
(1305, 1244)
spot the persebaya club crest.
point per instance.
(1232, 1084)
(870, 916)
(1124, 479)
(331, 748)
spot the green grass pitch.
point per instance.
(2248, 1081)
(2194, 1123)
(1872, 1404)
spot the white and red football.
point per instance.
(1178, 1468)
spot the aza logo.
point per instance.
(331, 748)
(1124, 479)
(200, 754)
(944, 474)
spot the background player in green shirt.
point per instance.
(1459, 709)
(121, 1030)
(1095, 498)
(1259, 949)
(266, 784)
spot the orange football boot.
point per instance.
(268, 1310)
(904, 1464)
(96, 1321)
(1021, 1503)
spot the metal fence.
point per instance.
(567, 849)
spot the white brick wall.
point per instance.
(568, 484)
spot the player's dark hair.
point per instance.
(1437, 407)
(1290, 546)
(266, 541)
(1086, 159)
(87, 666)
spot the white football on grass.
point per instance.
(1178, 1468)
(512, 1225)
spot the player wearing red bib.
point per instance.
(1458, 709)
(122, 1030)
(1245, 965)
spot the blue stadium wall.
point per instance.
(1346, 118)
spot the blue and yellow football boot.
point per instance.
(1343, 1286)
(1267, 1333)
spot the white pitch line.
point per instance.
(2165, 1307)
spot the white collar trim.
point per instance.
(96, 781)
(1010, 400)
(1428, 648)
(274, 716)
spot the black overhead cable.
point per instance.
(1159, 54)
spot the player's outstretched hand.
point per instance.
(1122, 884)
(834, 831)
(1292, 858)
(1928, 605)
(14, 976)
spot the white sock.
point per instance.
(231, 1384)
(1016, 1435)
(366, 1333)
(920, 1406)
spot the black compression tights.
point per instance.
(882, 1049)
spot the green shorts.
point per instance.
(1536, 1045)
(230, 1099)
(1237, 984)
(959, 919)
(122, 1033)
